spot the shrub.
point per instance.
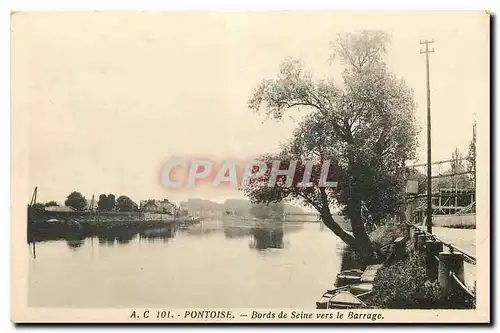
(386, 234)
(405, 285)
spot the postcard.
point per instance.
(250, 167)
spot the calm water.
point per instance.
(212, 264)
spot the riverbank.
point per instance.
(110, 219)
(88, 216)
(382, 238)
(50, 226)
(401, 279)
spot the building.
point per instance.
(158, 206)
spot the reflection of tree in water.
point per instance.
(125, 236)
(201, 229)
(75, 240)
(267, 238)
(153, 234)
(110, 236)
(106, 239)
(106, 235)
(74, 244)
(349, 260)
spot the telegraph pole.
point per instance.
(429, 160)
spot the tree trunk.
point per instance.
(326, 216)
(337, 229)
(364, 245)
(359, 240)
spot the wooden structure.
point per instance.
(443, 265)
(445, 201)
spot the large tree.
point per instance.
(76, 200)
(106, 202)
(102, 204)
(365, 125)
(125, 204)
(272, 211)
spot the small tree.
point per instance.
(456, 164)
(471, 158)
(455, 177)
(76, 200)
(51, 204)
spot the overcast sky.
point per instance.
(108, 97)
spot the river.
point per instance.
(214, 264)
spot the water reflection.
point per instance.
(267, 238)
(112, 236)
(68, 262)
(74, 244)
(237, 232)
(125, 238)
(202, 229)
(349, 260)
(262, 234)
(154, 234)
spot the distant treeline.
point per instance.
(106, 202)
(240, 207)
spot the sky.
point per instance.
(103, 99)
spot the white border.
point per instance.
(60, 5)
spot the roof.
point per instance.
(59, 209)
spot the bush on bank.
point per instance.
(405, 285)
(386, 234)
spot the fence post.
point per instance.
(450, 262)
(433, 248)
(416, 232)
(421, 239)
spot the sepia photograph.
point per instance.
(250, 167)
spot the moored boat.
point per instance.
(340, 298)
(347, 277)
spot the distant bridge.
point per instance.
(340, 220)
(301, 217)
